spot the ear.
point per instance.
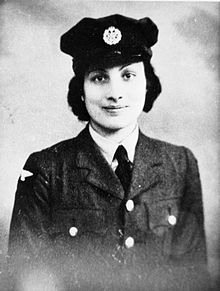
(82, 98)
(149, 30)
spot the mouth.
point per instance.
(115, 110)
(114, 107)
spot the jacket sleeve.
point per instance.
(31, 213)
(189, 243)
(189, 235)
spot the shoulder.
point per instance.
(52, 151)
(55, 154)
(176, 153)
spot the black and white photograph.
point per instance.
(109, 145)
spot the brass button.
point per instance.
(129, 242)
(172, 219)
(73, 231)
(130, 205)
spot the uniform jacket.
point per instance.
(70, 211)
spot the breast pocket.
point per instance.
(76, 222)
(163, 216)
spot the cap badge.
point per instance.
(112, 35)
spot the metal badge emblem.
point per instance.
(112, 35)
(25, 174)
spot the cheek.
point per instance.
(138, 93)
(92, 93)
(90, 104)
(90, 96)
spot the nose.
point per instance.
(115, 91)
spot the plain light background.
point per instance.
(34, 77)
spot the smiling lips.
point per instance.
(113, 108)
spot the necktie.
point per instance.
(124, 168)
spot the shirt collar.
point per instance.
(108, 147)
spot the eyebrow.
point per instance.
(104, 70)
(126, 65)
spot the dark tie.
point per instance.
(124, 168)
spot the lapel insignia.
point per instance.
(25, 174)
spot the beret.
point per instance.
(114, 33)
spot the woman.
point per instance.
(112, 209)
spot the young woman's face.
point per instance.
(115, 97)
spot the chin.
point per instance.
(115, 126)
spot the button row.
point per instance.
(129, 242)
(130, 206)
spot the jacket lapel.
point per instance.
(99, 173)
(147, 171)
(148, 164)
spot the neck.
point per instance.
(114, 135)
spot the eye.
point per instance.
(99, 78)
(128, 76)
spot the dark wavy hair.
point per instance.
(76, 90)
